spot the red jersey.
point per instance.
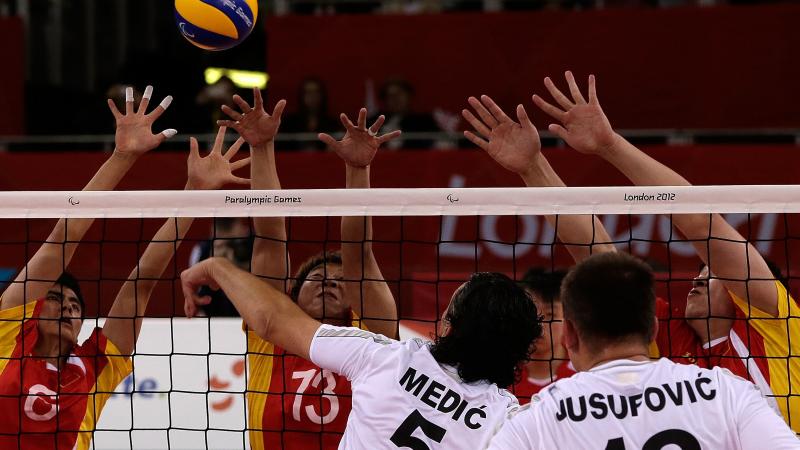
(528, 387)
(291, 403)
(42, 407)
(762, 348)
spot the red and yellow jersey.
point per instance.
(767, 349)
(42, 407)
(527, 387)
(292, 403)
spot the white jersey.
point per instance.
(626, 404)
(403, 398)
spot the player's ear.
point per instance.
(569, 336)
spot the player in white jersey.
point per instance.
(623, 400)
(414, 394)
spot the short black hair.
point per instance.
(308, 266)
(68, 280)
(546, 285)
(610, 297)
(493, 326)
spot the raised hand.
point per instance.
(359, 144)
(514, 145)
(192, 279)
(253, 123)
(583, 125)
(215, 169)
(134, 135)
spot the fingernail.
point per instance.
(148, 92)
(128, 94)
(166, 102)
(169, 132)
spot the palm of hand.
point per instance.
(210, 172)
(588, 129)
(357, 148)
(257, 127)
(513, 147)
(134, 135)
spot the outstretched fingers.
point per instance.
(523, 118)
(156, 113)
(549, 109)
(483, 113)
(346, 121)
(242, 104)
(194, 148)
(593, 91)
(114, 110)
(128, 100)
(573, 88)
(476, 123)
(219, 140)
(558, 96)
(362, 119)
(328, 140)
(236, 165)
(475, 139)
(232, 113)
(257, 99)
(495, 110)
(148, 93)
(234, 149)
(278, 110)
(377, 125)
(389, 136)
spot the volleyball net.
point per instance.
(189, 379)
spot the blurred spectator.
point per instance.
(231, 239)
(311, 117)
(396, 95)
(212, 97)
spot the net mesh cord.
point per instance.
(191, 379)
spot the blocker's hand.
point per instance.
(359, 144)
(514, 145)
(134, 136)
(215, 169)
(192, 279)
(253, 123)
(583, 125)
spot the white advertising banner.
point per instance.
(186, 391)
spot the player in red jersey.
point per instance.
(549, 362)
(292, 403)
(742, 316)
(52, 390)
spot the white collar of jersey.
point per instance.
(618, 363)
(714, 342)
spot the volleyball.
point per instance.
(216, 24)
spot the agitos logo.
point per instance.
(74, 201)
(221, 385)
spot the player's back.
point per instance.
(403, 398)
(626, 404)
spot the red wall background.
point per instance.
(12, 76)
(721, 67)
(408, 250)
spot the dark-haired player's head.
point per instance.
(544, 288)
(61, 317)
(317, 288)
(609, 302)
(709, 298)
(489, 330)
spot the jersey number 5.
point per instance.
(680, 438)
(402, 436)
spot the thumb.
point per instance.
(559, 131)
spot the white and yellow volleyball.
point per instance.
(216, 24)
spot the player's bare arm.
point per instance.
(366, 292)
(585, 127)
(205, 173)
(271, 314)
(133, 138)
(516, 147)
(270, 255)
